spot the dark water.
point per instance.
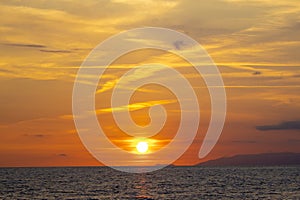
(169, 183)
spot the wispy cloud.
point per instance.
(288, 125)
(35, 135)
(107, 86)
(55, 51)
(135, 106)
(25, 45)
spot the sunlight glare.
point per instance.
(142, 147)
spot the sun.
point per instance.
(142, 147)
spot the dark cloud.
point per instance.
(256, 73)
(38, 46)
(178, 44)
(82, 49)
(288, 125)
(55, 51)
(39, 135)
(62, 155)
(25, 45)
(35, 135)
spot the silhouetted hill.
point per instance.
(265, 159)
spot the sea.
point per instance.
(168, 183)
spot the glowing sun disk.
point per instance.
(142, 147)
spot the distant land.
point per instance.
(264, 159)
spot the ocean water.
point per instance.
(168, 183)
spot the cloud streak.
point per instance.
(25, 45)
(35, 135)
(287, 125)
(55, 51)
(135, 106)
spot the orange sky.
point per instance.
(255, 44)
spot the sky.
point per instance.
(255, 45)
